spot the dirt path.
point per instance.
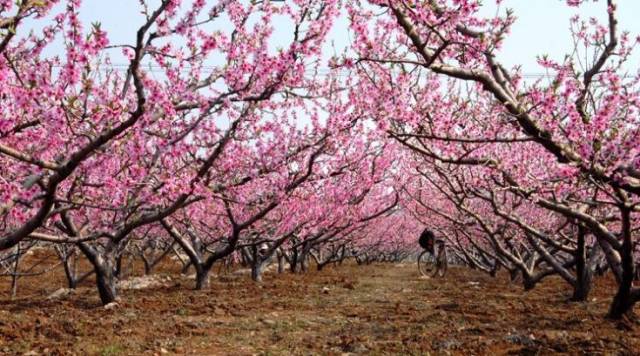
(382, 309)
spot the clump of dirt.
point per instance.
(374, 309)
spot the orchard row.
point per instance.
(223, 140)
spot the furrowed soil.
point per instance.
(377, 309)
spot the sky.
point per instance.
(541, 28)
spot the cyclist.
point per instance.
(436, 248)
(426, 240)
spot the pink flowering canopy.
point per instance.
(219, 129)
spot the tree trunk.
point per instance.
(528, 282)
(294, 265)
(245, 258)
(70, 271)
(119, 270)
(280, 262)
(343, 255)
(582, 286)
(147, 266)
(69, 264)
(495, 269)
(202, 277)
(14, 276)
(104, 268)
(623, 301)
(256, 270)
(106, 282)
(304, 258)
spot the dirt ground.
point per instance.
(379, 309)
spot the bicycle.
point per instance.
(431, 265)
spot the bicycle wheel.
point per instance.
(426, 264)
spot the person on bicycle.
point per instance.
(426, 240)
(435, 247)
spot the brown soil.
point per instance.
(380, 309)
